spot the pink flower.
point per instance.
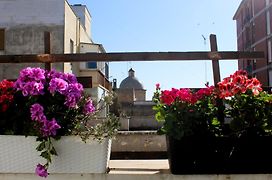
(255, 85)
(184, 94)
(204, 92)
(50, 128)
(88, 107)
(36, 111)
(41, 171)
(158, 86)
(167, 97)
(57, 85)
(225, 90)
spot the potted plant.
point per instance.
(48, 108)
(200, 142)
(250, 125)
(191, 125)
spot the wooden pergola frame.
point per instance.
(213, 55)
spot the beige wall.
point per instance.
(125, 95)
(75, 31)
(71, 30)
(140, 95)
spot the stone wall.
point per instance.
(29, 39)
(25, 23)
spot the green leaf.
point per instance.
(53, 151)
(215, 122)
(46, 156)
(41, 146)
(159, 117)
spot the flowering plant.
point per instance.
(48, 104)
(248, 106)
(185, 112)
(6, 94)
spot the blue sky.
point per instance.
(160, 25)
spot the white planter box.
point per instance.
(18, 155)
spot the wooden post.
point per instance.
(215, 60)
(47, 47)
(216, 77)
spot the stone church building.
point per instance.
(132, 99)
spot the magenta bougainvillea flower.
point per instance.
(88, 107)
(55, 101)
(41, 171)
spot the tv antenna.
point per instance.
(205, 62)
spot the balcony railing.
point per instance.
(213, 55)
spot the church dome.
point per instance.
(131, 82)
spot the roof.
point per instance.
(236, 13)
(131, 83)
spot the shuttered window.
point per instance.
(2, 39)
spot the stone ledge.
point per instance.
(136, 177)
(138, 169)
(139, 141)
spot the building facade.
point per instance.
(253, 21)
(22, 27)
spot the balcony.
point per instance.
(135, 169)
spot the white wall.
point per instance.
(92, 48)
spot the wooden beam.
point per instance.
(47, 48)
(215, 60)
(131, 56)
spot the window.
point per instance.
(92, 65)
(107, 70)
(2, 39)
(71, 46)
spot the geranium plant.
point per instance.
(247, 105)
(185, 112)
(48, 104)
(6, 94)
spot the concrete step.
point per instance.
(139, 166)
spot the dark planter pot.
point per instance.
(194, 155)
(250, 155)
(221, 155)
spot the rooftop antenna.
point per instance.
(204, 39)
(205, 62)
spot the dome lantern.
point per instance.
(131, 82)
